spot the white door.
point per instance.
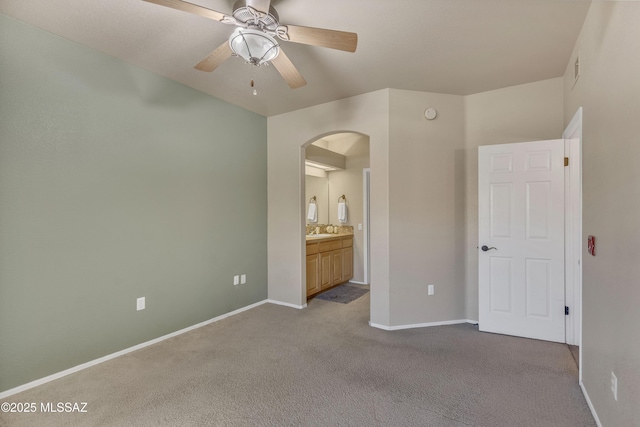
(521, 239)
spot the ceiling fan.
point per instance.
(257, 25)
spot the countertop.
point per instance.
(323, 237)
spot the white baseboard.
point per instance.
(593, 410)
(358, 283)
(420, 325)
(86, 365)
(286, 304)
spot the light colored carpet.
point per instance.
(322, 366)
(575, 353)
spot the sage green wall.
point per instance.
(116, 183)
(609, 92)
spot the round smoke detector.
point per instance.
(430, 113)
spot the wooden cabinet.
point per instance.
(336, 267)
(313, 274)
(347, 264)
(329, 263)
(326, 280)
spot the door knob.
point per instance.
(486, 248)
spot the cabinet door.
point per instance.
(313, 274)
(347, 264)
(336, 266)
(325, 270)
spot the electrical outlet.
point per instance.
(431, 289)
(614, 386)
(236, 280)
(243, 279)
(140, 303)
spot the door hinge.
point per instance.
(566, 310)
(566, 161)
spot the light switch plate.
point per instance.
(236, 280)
(431, 289)
(243, 279)
(140, 303)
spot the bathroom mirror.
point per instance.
(318, 187)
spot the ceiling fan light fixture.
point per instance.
(254, 46)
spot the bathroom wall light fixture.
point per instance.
(320, 166)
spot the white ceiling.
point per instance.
(447, 46)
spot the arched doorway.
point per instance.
(337, 170)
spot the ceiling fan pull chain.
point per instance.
(253, 84)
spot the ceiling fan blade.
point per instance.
(288, 71)
(332, 39)
(195, 9)
(215, 58)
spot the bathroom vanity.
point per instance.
(329, 261)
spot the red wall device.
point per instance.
(591, 245)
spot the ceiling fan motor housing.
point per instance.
(263, 21)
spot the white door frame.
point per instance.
(573, 233)
(366, 189)
(573, 243)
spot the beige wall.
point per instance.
(287, 134)
(424, 230)
(426, 188)
(520, 113)
(609, 92)
(349, 182)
